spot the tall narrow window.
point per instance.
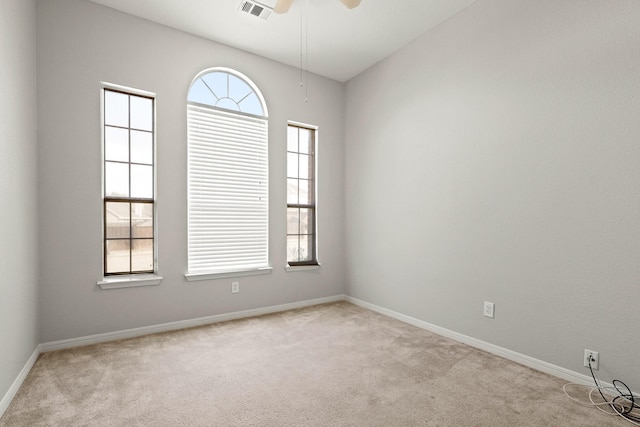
(301, 196)
(128, 193)
(228, 191)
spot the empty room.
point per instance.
(319, 212)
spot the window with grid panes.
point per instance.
(128, 193)
(301, 197)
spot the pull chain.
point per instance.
(304, 50)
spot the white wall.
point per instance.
(81, 44)
(18, 189)
(497, 158)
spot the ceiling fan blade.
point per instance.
(282, 6)
(350, 3)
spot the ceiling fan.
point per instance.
(282, 6)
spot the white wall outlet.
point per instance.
(594, 356)
(489, 307)
(235, 287)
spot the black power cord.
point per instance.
(624, 404)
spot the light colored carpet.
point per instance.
(328, 365)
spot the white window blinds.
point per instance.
(227, 191)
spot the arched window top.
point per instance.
(227, 89)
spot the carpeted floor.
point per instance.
(328, 365)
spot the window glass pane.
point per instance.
(141, 113)
(217, 82)
(252, 105)
(116, 179)
(292, 191)
(293, 249)
(142, 255)
(117, 220)
(292, 139)
(237, 88)
(305, 248)
(305, 221)
(118, 256)
(293, 221)
(199, 92)
(292, 165)
(304, 192)
(116, 109)
(305, 141)
(116, 144)
(142, 181)
(228, 104)
(142, 219)
(304, 168)
(141, 147)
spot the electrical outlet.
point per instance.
(235, 287)
(489, 307)
(595, 359)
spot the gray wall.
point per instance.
(18, 189)
(496, 158)
(81, 44)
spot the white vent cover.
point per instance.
(256, 9)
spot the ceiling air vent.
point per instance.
(255, 9)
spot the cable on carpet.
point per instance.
(621, 402)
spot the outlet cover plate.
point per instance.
(489, 308)
(235, 287)
(595, 361)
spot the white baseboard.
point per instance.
(13, 390)
(540, 365)
(182, 324)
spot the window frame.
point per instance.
(132, 277)
(313, 262)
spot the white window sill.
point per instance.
(194, 277)
(302, 267)
(132, 281)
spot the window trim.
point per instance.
(124, 280)
(314, 263)
(292, 268)
(129, 281)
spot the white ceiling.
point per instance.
(341, 42)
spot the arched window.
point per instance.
(227, 90)
(228, 191)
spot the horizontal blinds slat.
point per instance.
(228, 191)
(249, 242)
(209, 176)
